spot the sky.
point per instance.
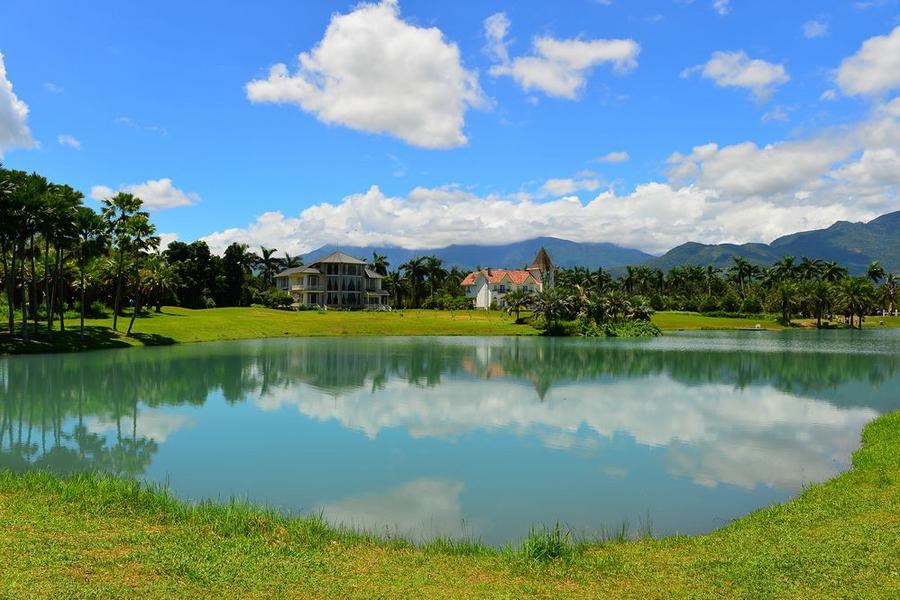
(422, 124)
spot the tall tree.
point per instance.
(380, 263)
(875, 272)
(269, 265)
(118, 212)
(415, 271)
(142, 241)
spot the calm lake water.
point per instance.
(481, 437)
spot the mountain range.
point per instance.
(853, 245)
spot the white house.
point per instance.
(336, 281)
(488, 287)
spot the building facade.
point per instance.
(488, 287)
(336, 281)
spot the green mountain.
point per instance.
(853, 245)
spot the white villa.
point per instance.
(336, 281)
(488, 287)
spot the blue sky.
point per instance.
(423, 124)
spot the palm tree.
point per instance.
(856, 294)
(741, 270)
(434, 270)
(889, 292)
(516, 301)
(142, 240)
(810, 269)
(554, 304)
(118, 212)
(290, 262)
(159, 279)
(380, 263)
(393, 283)
(786, 294)
(91, 240)
(415, 271)
(785, 269)
(875, 272)
(833, 272)
(269, 264)
(711, 275)
(821, 294)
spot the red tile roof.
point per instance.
(497, 276)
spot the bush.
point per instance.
(95, 310)
(632, 329)
(278, 299)
(709, 304)
(751, 305)
(208, 302)
(730, 303)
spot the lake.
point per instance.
(474, 437)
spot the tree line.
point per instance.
(58, 256)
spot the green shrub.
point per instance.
(709, 304)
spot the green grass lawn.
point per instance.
(181, 325)
(89, 537)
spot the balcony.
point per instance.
(308, 288)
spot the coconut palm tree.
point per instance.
(554, 305)
(435, 271)
(875, 272)
(415, 271)
(889, 292)
(393, 283)
(141, 233)
(821, 296)
(118, 211)
(290, 262)
(833, 272)
(856, 295)
(516, 301)
(159, 279)
(380, 263)
(269, 264)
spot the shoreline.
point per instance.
(117, 537)
(181, 326)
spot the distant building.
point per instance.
(336, 281)
(489, 286)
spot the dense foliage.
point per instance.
(58, 256)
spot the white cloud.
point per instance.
(815, 28)
(779, 114)
(733, 193)
(562, 187)
(421, 510)
(165, 239)
(156, 193)
(374, 72)
(557, 67)
(828, 95)
(14, 132)
(874, 69)
(495, 28)
(151, 424)
(723, 7)
(132, 124)
(736, 69)
(53, 88)
(68, 140)
(614, 157)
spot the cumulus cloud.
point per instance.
(815, 28)
(558, 67)
(156, 193)
(14, 132)
(151, 424)
(723, 7)
(736, 69)
(68, 140)
(874, 69)
(374, 72)
(564, 186)
(614, 157)
(715, 193)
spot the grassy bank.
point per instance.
(104, 538)
(180, 325)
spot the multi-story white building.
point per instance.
(488, 287)
(336, 281)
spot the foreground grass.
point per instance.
(181, 325)
(89, 537)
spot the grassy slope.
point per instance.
(97, 538)
(179, 325)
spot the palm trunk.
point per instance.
(9, 271)
(118, 290)
(48, 294)
(24, 302)
(34, 298)
(60, 295)
(81, 270)
(137, 305)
